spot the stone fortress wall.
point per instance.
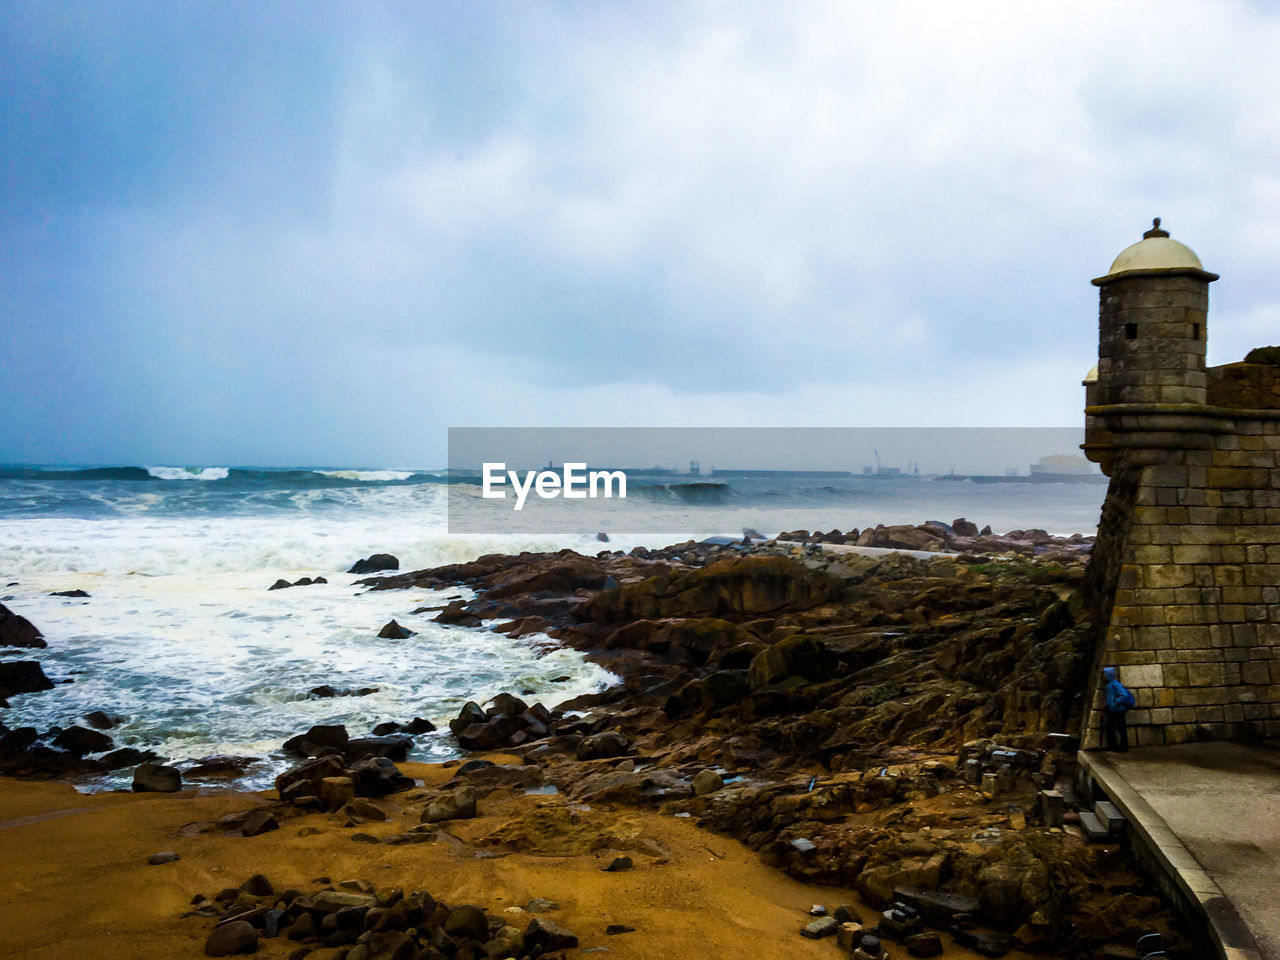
(1186, 569)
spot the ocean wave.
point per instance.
(368, 476)
(285, 478)
(189, 473)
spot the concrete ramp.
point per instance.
(1206, 818)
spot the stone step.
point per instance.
(1094, 828)
(1110, 816)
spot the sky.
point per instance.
(323, 233)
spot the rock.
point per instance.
(547, 936)
(331, 901)
(471, 713)
(613, 929)
(618, 864)
(964, 528)
(706, 781)
(99, 720)
(257, 886)
(125, 757)
(74, 594)
(320, 738)
(280, 585)
(610, 743)
(936, 909)
(18, 631)
(822, 927)
(393, 631)
(467, 921)
(383, 729)
(258, 823)
(335, 792)
(849, 934)
(22, 676)
(927, 944)
(539, 905)
(459, 804)
(377, 777)
(305, 777)
(505, 705)
(230, 939)
(418, 726)
(375, 563)
(79, 741)
(156, 778)
(214, 768)
(395, 748)
(168, 856)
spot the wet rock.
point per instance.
(79, 741)
(18, 631)
(611, 743)
(73, 594)
(280, 585)
(156, 778)
(395, 748)
(822, 927)
(230, 939)
(156, 859)
(22, 676)
(540, 905)
(418, 726)
(125, 757)
(375, 564)
(394, 631)
(322, 738)
(219, 768)
(618, 865)
(99, 720)
(383, 729)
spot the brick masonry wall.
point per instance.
(1195, 624)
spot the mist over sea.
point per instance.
(181, 638)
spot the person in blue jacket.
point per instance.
(1118, 700)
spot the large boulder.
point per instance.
(22, 676)
(156, 778)
(78, 741)
(17, 631)
(375, 563)
(321, 738)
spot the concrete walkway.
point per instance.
(1211, 813)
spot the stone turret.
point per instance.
(1153, 306)
(1185, 573)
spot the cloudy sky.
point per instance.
(323, 233)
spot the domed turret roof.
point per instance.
(1156, 252)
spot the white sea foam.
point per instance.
(188, 473)
(370, 476)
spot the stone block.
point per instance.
(1146, 675)
(1204, 674)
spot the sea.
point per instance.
(181, 640)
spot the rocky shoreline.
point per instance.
(896, 726)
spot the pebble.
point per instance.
(618, 864)
(168, 856)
